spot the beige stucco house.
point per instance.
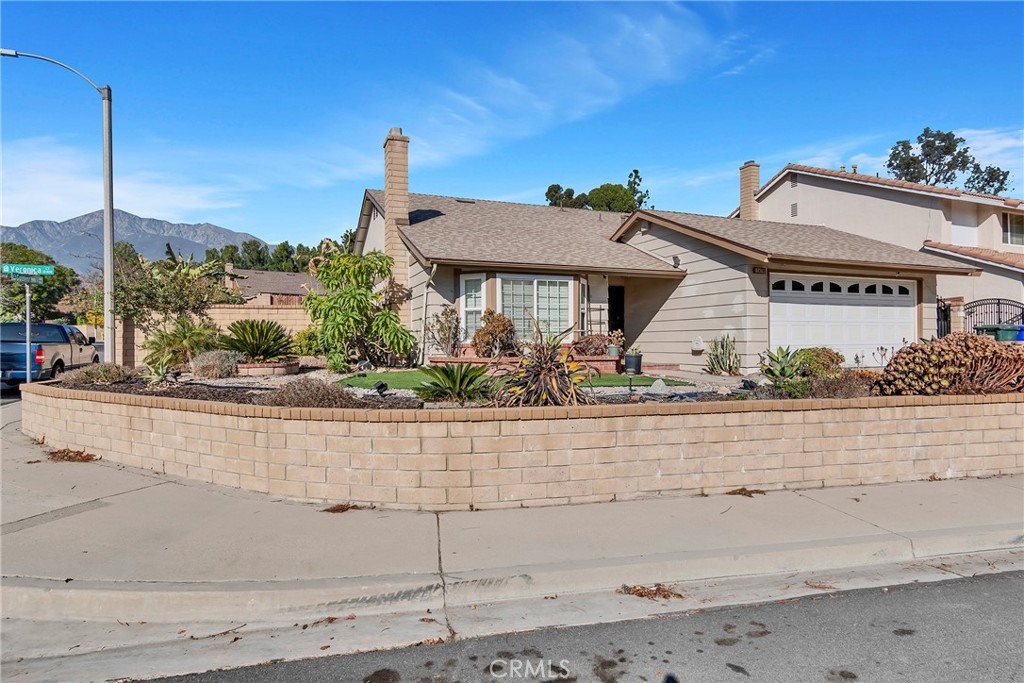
(671, 281)
(978, 230)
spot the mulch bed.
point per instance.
(197, 391)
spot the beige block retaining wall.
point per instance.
(490, 458)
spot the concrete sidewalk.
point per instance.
(102, 542)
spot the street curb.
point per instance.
(49, 599)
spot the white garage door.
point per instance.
(852, 316)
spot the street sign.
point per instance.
(28, 279)
(25, 269)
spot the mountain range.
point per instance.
(78, 242)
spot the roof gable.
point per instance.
(772, 242)
(890, 183)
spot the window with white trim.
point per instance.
(471, 303)
(547, 298)
(1013, 228)
(583, 320)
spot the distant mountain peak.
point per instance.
(78, 242)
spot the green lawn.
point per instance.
(410, 379)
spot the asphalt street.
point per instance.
(958, 631)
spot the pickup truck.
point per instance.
(54, 349)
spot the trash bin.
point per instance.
(1002, 332)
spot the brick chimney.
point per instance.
(396, 208)
(750, 183)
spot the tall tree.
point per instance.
(45, 296)
(230, 254)
(940, 158)
(212, 254)
(282, 259)
(608, 197)
(566, 198)
(255, 255)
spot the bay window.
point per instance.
(548, 298)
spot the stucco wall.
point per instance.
(490, 458)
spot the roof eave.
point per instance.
(974, 259)
(783, 260)
(677, 273)
(363, 225)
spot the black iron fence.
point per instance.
(993, 312)
(943, 317)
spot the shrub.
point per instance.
(722, 357)
(99, 373)
(794, 388)
(179, 342)
(308, 392)
(593, 344)
(338, 362)
(959, 363)
(260, 341)
(546, 375)
(445, 332)
(216, 364)
(462, 382)
(308, 343)
(496, 337)
(820, 361)
(842, 385)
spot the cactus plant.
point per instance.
(959, 363)
(722, 357)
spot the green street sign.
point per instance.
(25, 269)
(28, 279)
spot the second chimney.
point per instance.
(750, 183)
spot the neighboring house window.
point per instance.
(546, 298)
(1013, 228)
(584, 305)
(472, 303)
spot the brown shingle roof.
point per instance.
(797, 242)
(890, 182)
(476, 231)
(998, 257)
(258, 282)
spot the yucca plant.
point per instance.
(461, 382)
(261, 341)
(722, 357)
(546, 375)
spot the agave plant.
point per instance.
(261, 341)
(462, 382)
(546, 375)
(782, 366)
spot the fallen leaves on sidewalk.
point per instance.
(68, 455)
(32, 462)
(659, 591)
(342, 507)
(744, 491)
(819, 585)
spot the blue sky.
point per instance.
(268, 118)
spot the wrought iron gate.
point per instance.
(993, 312)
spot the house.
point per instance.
(268, 288)
(978, 230)
(671, 281)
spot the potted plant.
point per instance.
(633, 358)
(616, 342)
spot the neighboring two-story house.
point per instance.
(978, 230)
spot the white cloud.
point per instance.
(47, 179)
(1002, 147)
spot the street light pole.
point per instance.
(109, 328)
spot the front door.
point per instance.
(616, 308)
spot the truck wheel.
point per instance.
(95, 360)
(57, 370)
